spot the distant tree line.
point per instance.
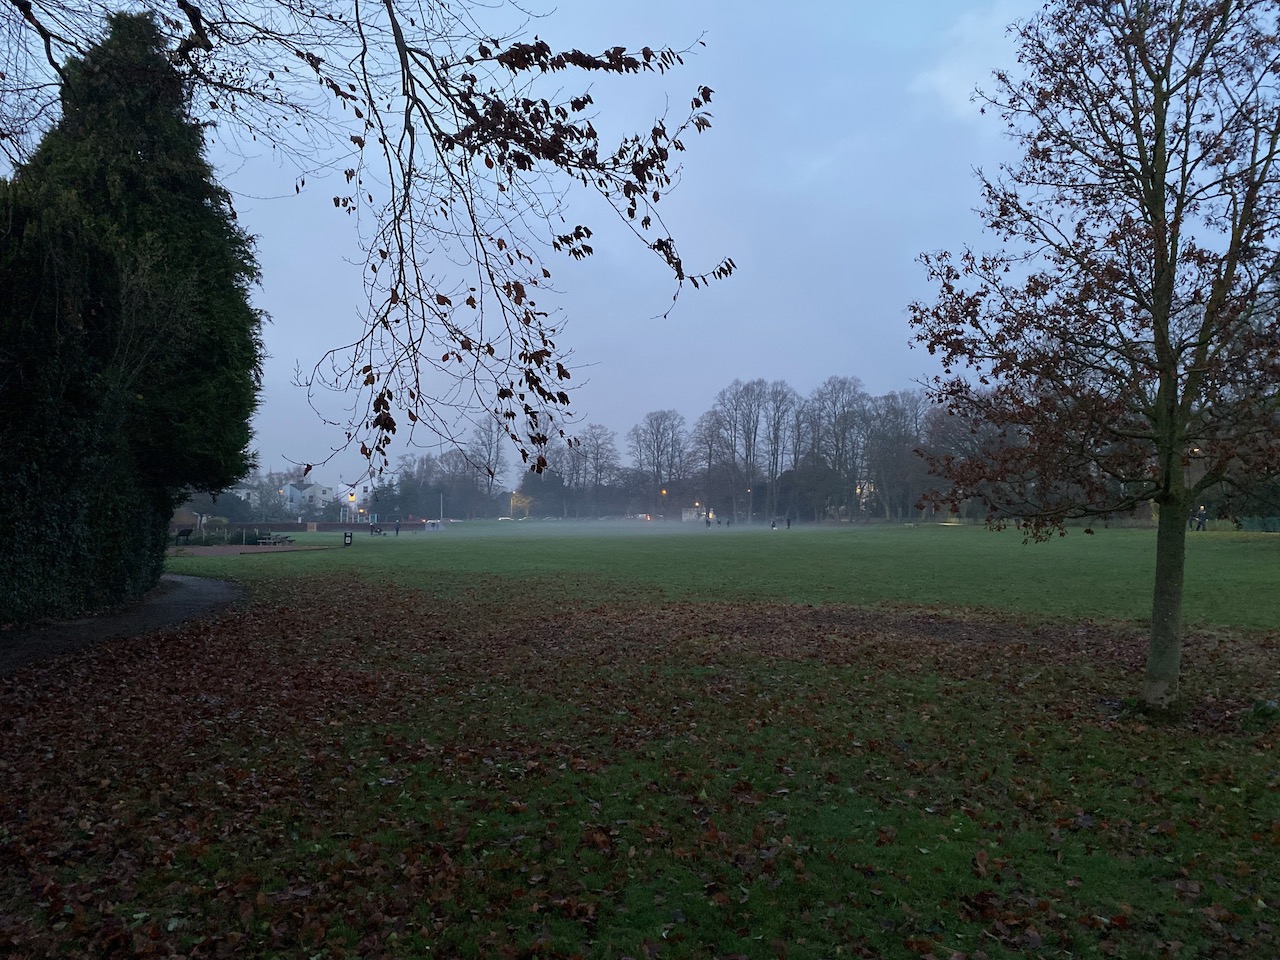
(762, 451)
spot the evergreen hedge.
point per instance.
(132, 355)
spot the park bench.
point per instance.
(274, 540)
(183, 536)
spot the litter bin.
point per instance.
(346, 538)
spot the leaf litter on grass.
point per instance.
(512, 774)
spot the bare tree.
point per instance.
(457, 146)
(945, 438)
(657, 444)
(712, 457)
(488, 453)
(838, 410)
(1126, 330)
(597, 447)
(894, 430)
(802, 437)
(740, 406)
(460, 482)
(780, 403)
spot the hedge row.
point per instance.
(85, 532)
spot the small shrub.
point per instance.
(1259, 524)
(1262, 715)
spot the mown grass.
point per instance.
(539, 743)
(1108, 575)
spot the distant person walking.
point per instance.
(1201, 517)
(397, 528)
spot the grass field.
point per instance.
(542, 740)
(1231, 578)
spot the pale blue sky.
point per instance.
(843, 145)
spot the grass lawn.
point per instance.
(541, 740)
(1231, 578)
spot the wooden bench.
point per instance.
(274, 540)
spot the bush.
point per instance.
(1258, 524)
(1263, 715)
(87, 531)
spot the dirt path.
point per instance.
(238, 549)
(176, 600)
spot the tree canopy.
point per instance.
(1122, 345)
(132, 356)
(457, 145)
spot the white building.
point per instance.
(303, 496)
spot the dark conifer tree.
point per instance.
(135, 352)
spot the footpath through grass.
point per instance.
(446, 749)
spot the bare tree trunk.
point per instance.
(1164, 655)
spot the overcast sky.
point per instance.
(843, 145)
